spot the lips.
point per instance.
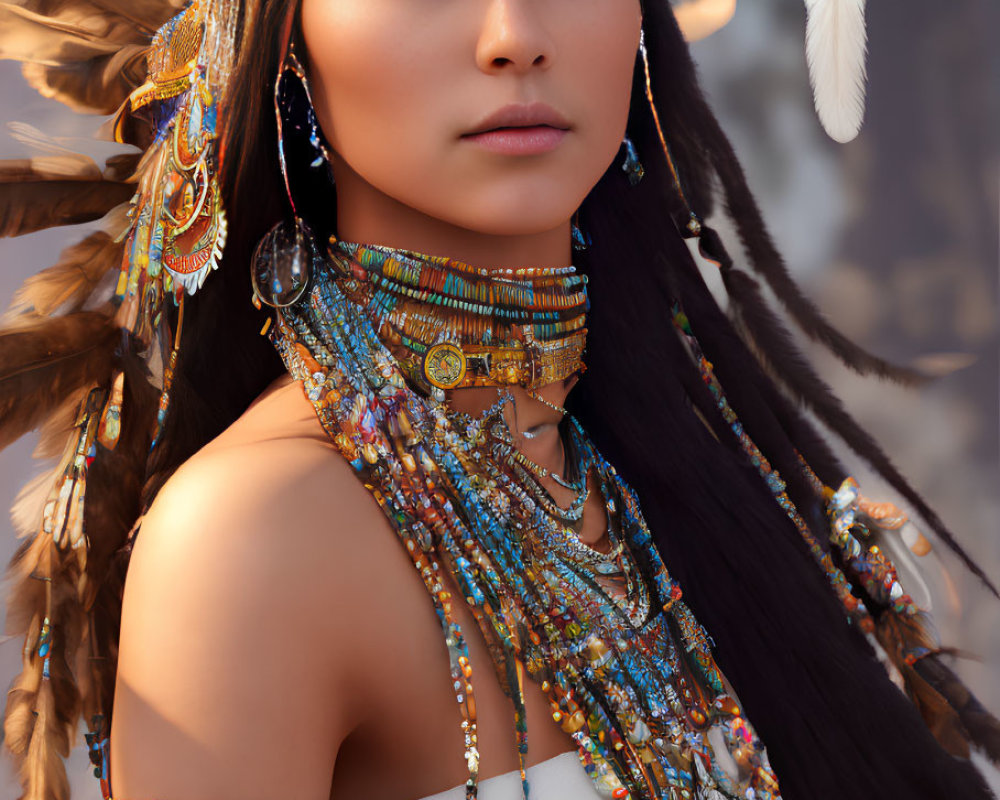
(516, 115)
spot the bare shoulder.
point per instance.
(274, 464)
(237, 653)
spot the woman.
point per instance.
(708, 645)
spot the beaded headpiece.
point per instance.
(67, 336)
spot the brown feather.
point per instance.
(41, 713)
(55, 433)
(115, 481)
(67, 284)
(19, 718)
(26, 512)
(29, 572)
(42, 363)
(61, 166)
(88, 55)
(60, 189)
(43, 772)
(982, 728)
(26, 603)
(952, 713)
(102, 87)
(32, 206)
(941, 718)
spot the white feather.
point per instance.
(835, 52)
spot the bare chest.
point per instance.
(411, 743)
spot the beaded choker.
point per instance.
(626, 668)
(450, 325)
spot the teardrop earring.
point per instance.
(295, 116)
(282, 261)
(280, 269)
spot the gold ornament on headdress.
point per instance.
(178, 220)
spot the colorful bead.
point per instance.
(621, 664)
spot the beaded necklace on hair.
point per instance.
(626, 668)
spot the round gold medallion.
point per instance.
(444, 365)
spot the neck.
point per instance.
(365, 214)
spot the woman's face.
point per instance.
(399, 85)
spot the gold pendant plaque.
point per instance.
(444, 365)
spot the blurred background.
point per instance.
(895, 234)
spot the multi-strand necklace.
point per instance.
(450, 325)
(627, 669)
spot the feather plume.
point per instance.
(41, 363)
(29, 207)
(62, 163)
(58, 162)
(55, 373)
(33, 198)
(26, 513)
(41, 713)
(53, 167)
(58, 427)
(86, 54)
(43, 768)
(102, 88)
(19, 720)
(68, 284)
(835, 51)
(61, 188)
(981, 727)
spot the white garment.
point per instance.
(558, 778)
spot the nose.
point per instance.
(513, 38)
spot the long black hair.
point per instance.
(834, 724)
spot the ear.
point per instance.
(699, 18)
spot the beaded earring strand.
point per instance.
(280, 266)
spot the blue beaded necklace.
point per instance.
(627, 669)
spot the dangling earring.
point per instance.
(692, 225)
(280, 269)
(281, 263)
(295, 115)
(581, 239)
(632, 166)
(709, 242)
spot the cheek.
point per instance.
(601, 60)
(366, 71)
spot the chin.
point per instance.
(515, 224)
(524, 212)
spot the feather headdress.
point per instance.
(85, 343)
